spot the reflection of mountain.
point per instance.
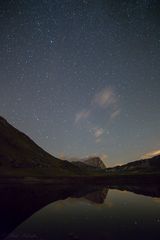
(147, 190)
(98, 196)
(18, 202)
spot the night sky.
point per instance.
(82, 78)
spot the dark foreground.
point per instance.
(20, 199)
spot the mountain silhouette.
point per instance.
(139, 167)
(20, 157)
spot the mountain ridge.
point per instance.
(19, 152)
(20, 156)
(142, 166)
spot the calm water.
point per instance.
(100, 213)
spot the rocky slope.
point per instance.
(92, 162)
(95, 162)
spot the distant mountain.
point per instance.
(144, 166)
(91, 162)
(20, 156)
(95, 162)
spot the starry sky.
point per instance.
(82, 78)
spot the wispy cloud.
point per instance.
(84, 114)
(115, 114)
(151, 154)
(104, 98)
(97, 133)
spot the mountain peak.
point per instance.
(95, 162)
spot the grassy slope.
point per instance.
(20, 156)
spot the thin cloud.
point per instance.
(107, 99)
(151, 154)
(82, 115)
(115, 114)
(98, 140)
(104, 98)
(97, 133)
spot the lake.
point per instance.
(92, 212)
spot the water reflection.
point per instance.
(34, 211)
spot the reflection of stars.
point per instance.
(51, 41)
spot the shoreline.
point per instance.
(65, 180)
